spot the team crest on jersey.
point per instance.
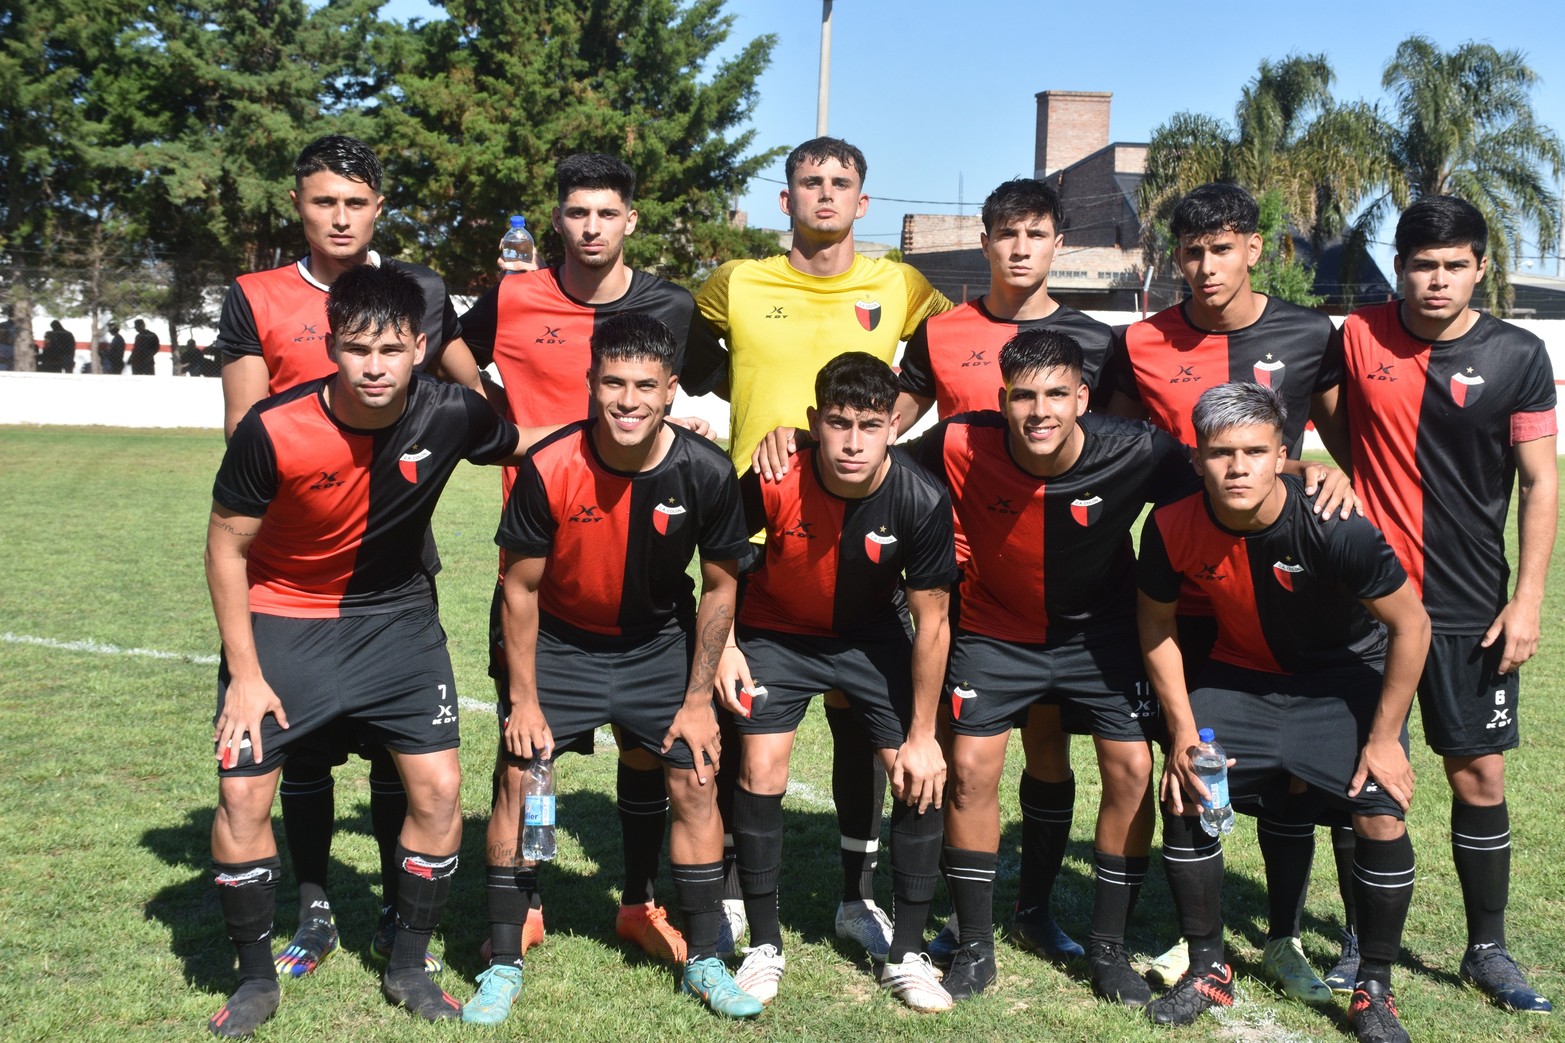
(875, 543)
(407, 463)
(1285, 570)
(960, 696)
(666, 517)
(1087, 509)
(1270, 371)
(1466, 387)
(868, 313)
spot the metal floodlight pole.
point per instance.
(825, 86)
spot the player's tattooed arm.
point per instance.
(244, 532)
(696, 722)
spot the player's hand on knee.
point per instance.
(770, 458)
(527, 733)
(246, 701)
(696, 723)
(1386, 762)
(1333, 491)
(918, 776)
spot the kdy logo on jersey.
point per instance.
(961, 695)
(586, 513)
(666, 517)
(799, 530)
(975, 358)
(1186, 375)
(1087, 509)
(875, 544)
(868, 313)
(1285, 570)
(550, 335)
(407, 463)
(1466, 387)
(1269, 372)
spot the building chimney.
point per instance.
(1072, 125)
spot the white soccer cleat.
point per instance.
(731, 928)
(913, 981)
(760, 972)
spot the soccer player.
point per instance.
(271, 337)
(1302, 684)
(1225, 330)
(1446, 407)
(1046, 494)
(600, 625)
(327, 615)
(851, 527)
(538, 328)
(783, 318)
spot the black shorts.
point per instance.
(500, 673)
(875, 672)
(1098, 684)
(586, 681)
(387, 677)
(1282, 726)
(1467, 706)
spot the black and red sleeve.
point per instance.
(527, 524)
(1155, 575)
(247, 478)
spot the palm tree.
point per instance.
(1464, 126)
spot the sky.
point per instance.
(940, 96)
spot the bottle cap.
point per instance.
(518, 221)
(1205, 735)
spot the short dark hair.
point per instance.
(1441, 221)
(856, 380)
(1214, 208)
(344, 156)
(1036, 350)
(633, 336)
(1239, 403)
(1020, 199)
(368, 299)
(819, 150)
(594, 170)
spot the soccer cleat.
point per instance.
(1345, 971)
(866, 923)
(1114, 979)
(1035, 930)
(1166, 971)
(647, 925)
(971, 972)
(414, 990)
(1283, 965)
(532, 934)
(943, 946)
(913, 982)
(251, 1004)
(761, 972)
(498, 988)
(315, 940)
(386, 937)
(1196, 992)
(731, 927)
(1373, 1011)
(1491, 970)
(710, 980)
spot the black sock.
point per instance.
(915, 869)
(1342, 854)
(758, 838)
(1287, 849)
(1047, 808)
(699, 889)
(1119, 880)
(727, 782)
(643, 818)
(421, 898)
(388, 810)
(1481, 849)
(1193, 862)
(970, 879)
(858, 788)
(1383, 886)
(508, 892)
(309, 806)
(247, 892)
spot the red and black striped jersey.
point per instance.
(1286, 597)
(280, 315)
(344, 511)
(954, 357)
(618, 544)
(1433, 427)
(1052, 557)
(834, 566)
(1164, 362)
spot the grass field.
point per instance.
(111, 931)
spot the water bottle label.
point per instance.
(1217, 786)
(540, 810)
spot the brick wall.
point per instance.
(1071, 126)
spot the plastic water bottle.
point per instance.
(516, 248)
(538, 814)
(1211, 766)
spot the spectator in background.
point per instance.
(59, 350)
(111, 350)
(143, 351)
(191, 360)
(7, 343)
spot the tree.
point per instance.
(494, 96)
(1464, 126)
